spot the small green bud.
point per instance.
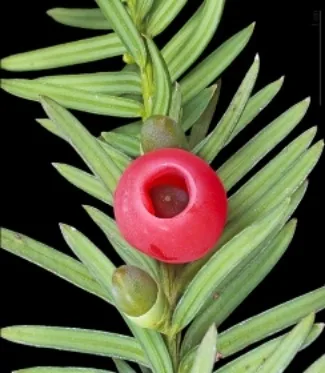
(160, 131)
(135, 292)
(128, 59)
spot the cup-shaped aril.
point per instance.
(139, 297)
(160, 131)
(171, 205)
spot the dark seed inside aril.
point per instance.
(168, 201)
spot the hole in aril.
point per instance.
(167, 194)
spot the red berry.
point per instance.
(171, 205)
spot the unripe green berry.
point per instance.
(135, 291)
(160, 131)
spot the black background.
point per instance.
(35, 198)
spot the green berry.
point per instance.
(160, 131)
(134, 290)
